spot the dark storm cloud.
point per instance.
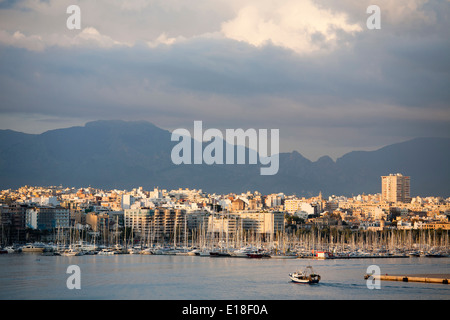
(382, 86)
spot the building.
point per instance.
(127, 201)
(47, 218)
(395, 188)
(292, 205)
(99, 222)
(169, 224)
(300, 208)
(139, 220)
(257, 222)
(159, 224)
(238, 205)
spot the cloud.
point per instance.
(91, 35)
(298, 25)
(164, 40)
(19, 40)
(310, 69)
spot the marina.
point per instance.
(267, 250)
(245, 252)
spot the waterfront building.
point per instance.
(257, 222)
(395, 188)
(98, 221)
(14, 216)
(139, 220)
(160, 224)
(47, 218)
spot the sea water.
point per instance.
(28, 276)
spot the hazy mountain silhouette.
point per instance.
(124, 155)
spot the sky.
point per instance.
(310, 68)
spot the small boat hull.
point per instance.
(304, 281)
(258, 255)
(308, 276)
(219, 254)
(284, 257)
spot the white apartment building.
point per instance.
(139, 220)
(258, 222)
(395, 188)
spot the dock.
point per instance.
(426, 278)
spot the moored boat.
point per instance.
(9, 249)
(414, 254)
(106, 252)
(146, 251)
(35, 247)
(219, 254)
(243, 252)
(435, 255)
(258, 255)
(71, 252)
(284, 256)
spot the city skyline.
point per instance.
(153, 149)
(161, 211)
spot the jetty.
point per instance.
(426, 278)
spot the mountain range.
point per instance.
(124, 155)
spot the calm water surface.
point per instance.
(157, 277)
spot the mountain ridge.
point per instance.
(125, 154)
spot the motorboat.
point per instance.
(71, 252)
(204, 253)
(258, 255)
(433, 254)
(219, 254)
(33, 247)
(414, 254)
(243, 252)
(284, 256)
(10, 249)
(133, 251)
(194, 252)
(106, 252)
(306, 276)
(146, 251)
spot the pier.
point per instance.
(426, 278)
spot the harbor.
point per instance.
(81, 248)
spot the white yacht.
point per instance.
(33, 247)
(146, 251)
(9, 249)
(106, 252)
(71, 252)
(284, 256)
(243, 252)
